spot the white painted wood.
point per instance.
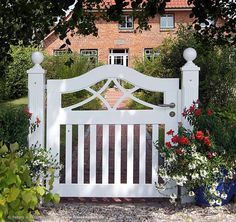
(80, 154)
(105, 154)
(113, 117)
(68, 164)
(36, 97)
(93, 139)
(117, 159)
(189, 82)
(130, 154)
(110, 190)
(155, 137)
(142, 154)
(114, 71)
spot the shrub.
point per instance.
(20, 187)
(69, 66)
(13, 125)
(15, 79)
(218, 66)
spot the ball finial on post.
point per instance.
(190, 54)
(37, 58)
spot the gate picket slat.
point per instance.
(130, 154)
(81, 154)
(68, 154)
(155, 136)
(117, 163)
(93, 154)
(142, 154)
(105, 153)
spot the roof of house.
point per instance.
(170, 5)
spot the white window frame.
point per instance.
(151, 54)
(60, 52)
(90, 53)
(168, 24)
(113, 54)
(126, 20)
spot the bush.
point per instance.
(69, 66)
(20, 187)
(15, 78)
(218, 66)
(14, 125)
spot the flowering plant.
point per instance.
(193, 159)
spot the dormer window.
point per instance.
(127, 22)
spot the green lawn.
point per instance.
(21, 101)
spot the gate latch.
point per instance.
(171, 105)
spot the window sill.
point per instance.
(126, 31)
(167, 30)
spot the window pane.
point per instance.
(127, 22)
(167, 21)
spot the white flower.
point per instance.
(212, 190)
(180, 183)
(191, 194)
(215, 184)
(195, 176)
(215, 170)
(224, 196)
(173, 196)
(219, 202)
(212, 202)
(217, 193)
(192, 166)
(203, 173)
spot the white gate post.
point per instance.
(189, 93)
(190, 82)
(36, 97)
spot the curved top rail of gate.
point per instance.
(114, 72)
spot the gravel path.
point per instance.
(158, 212)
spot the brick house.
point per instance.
(119, 43)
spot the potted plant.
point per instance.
(194, 159)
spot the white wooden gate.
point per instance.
(169, 114)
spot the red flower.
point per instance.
(209, 155)
(184, 113)
(27, 112)
(198, 112)
(210, 112)
(170, 132)
(168, 145)
(179, 151)
(199, 135)
(207, 141)
(183, 140)
(38, 121)
(191, 109)
(175, 139)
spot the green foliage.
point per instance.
(218, 66)
(14, 81)
(20, 187)
(69, 66)
(13, 124)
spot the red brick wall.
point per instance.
(110, 37)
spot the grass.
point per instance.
(21, 101)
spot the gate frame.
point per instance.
(37, 87)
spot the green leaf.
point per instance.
(3, 149)
(2, 201)
(26, 196)
(40, 190)
(14, 147)
(56, 198)
(13, 194)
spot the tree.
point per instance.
(27, 22)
